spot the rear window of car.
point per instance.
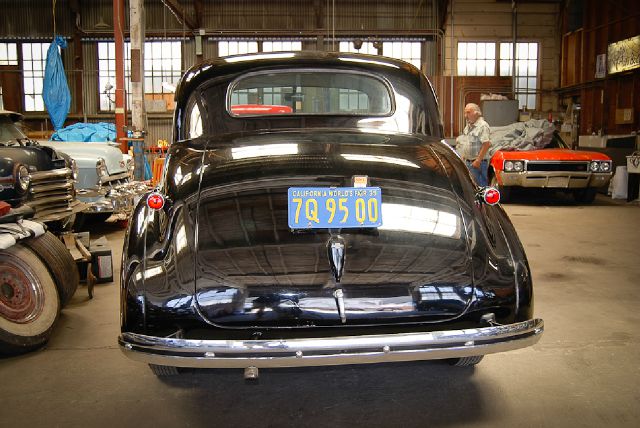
(309, 92)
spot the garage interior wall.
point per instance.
(492, 21)
(567, 52)
(588, 28)
(320, 26)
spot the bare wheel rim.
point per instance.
(22, 296)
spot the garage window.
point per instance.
(163, 68)
(476, 59)
(107, 74)
(366, 48)
(405, 51)
(526, 75)
(281, 45)
(8, 54)
(237, 47)
(34, 58)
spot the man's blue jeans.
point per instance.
(479, 174)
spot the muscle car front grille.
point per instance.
(51, 194)
(558, 166)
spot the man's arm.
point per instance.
(483, 151)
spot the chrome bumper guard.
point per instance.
(119, 199)
(326, 351)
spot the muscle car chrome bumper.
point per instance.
(555, 179)
(323, 351)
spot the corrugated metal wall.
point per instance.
(223, 15)
(260, 19)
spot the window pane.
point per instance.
(462, 50)
(462, 67)
(29, 103)
(156, 49)
(490, 67)
(471, 68)
(471, 51)
(481, 71)
(28, 86)
(491, 50)
(480, 51)
(521, 82)
(26, 51)
(103, 50)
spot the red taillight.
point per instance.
(155, 201)
(491, 195)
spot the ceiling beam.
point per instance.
(180, 14)
(199, 10)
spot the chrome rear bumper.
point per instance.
(326, 351)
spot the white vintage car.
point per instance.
(105, 177)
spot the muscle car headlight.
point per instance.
(517, 166)
(605, 166)
(22, 179)
(101, 168)
(593, 166)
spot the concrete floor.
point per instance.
(584, 372)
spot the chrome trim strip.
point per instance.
(330, 350)
(109, 178)
(48, 175)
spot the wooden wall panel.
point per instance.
(468, 90)
(603, 23)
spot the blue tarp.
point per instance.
(101, 131)
(55, 91)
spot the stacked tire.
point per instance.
(38, 277)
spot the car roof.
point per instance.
(15, 116)
(231, 65)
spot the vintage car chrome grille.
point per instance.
(115, 179)
(558, 166)
(52, 194)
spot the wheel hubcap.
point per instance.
(21, 295)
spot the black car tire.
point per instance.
(162, 371)
(585, 196)
(24, 280)
(57, 258)
(505, 191)
(466, 361)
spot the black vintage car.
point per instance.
(311, 214)
(37, 176)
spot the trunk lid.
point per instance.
(252, 270)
